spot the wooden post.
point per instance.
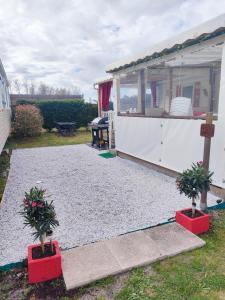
(207, 131)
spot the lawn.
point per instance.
(47, 139)
(195, 275)
(4, 166)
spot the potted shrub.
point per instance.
(192, 182)
(44, 259)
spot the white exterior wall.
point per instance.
(5, 110)
(173, 143)
(5, 117)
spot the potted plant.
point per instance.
(44, 259)
(192, 182)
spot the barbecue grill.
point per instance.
(100, 132)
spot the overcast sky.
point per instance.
(70, 42)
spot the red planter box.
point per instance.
(44, 269)
(197, 225)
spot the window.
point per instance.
(132, 92)
(129, 93)
(187, 91)
(186, 86)
(157, 80)
(3, 99)
(198, 86)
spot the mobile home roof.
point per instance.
(103, 79)
(205, 31)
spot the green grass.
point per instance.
(196, 275)
(49, 139)
(4, 165)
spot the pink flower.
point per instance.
(200, 163)
(25, 202)
(34, 204)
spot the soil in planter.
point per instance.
(37, 251)
(188, 213)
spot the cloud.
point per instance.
(67, 43)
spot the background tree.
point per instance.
(32, 88)
(26, 86)
(41, 89)
(17, 85)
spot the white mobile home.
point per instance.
(5, 110)
(162, 96)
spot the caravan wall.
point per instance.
(5, 112)
(5, 116)
(145, 127)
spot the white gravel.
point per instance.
(95, 198)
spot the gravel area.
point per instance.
(95, 198)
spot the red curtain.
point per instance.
(104, 94)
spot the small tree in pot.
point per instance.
(192, 182)
(40, 216)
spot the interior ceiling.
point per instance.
(207, 56)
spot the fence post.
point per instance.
(207, 131)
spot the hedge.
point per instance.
(65, 111)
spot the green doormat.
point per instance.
(107, 155)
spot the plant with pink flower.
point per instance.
(39, 214)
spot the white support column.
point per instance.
(116, 89)
(141, 92)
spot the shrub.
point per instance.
(39, 214)
(28, 121)
(66, 111)
(194, 181)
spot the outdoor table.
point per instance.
(66, 128)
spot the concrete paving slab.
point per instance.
(133, 249)
(173, 239)
(86, 264)
(83, 265)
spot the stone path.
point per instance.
(86, 264)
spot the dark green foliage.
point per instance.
(66, 111)
(24, 101)
(193, 181)
(38, 213)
